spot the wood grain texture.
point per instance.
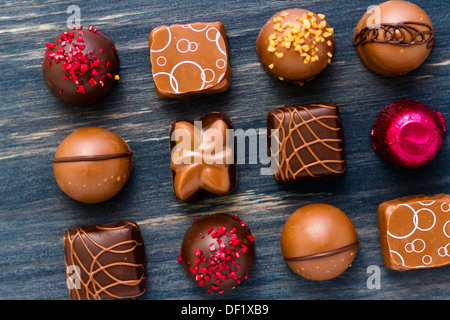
(34, 213)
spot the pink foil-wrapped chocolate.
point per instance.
(408, 134)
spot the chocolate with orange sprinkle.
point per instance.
(295, 45)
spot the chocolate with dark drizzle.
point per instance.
(395, 33)
(324, 254)
(99, 157)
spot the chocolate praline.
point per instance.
(218, 252)
(306, 141)
(319, 241)
(105, 262)
(408, 134)
(92, 164)
(190, 60)
(81, 66)
(208, 163)
(414, 231)
(295, 45)
(394, 38)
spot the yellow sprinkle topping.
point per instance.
(294, 34)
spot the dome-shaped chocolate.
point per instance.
(81, 66)
(394, 38)
(295, 45)
(92, 164)
(218, 252)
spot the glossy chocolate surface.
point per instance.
(310, 141)
(190, 60)
(81, 66)
(394, 38)
(105, 261)
(218, 252)
(92, 164)
(202, 156)
(295, 45)
(415, 232)
(319, 242)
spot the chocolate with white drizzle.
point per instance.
(415, 232)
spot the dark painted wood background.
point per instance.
(34, 213)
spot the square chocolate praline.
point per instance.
(190, 60)
(309, 141)
(194, 171)
(105, 262)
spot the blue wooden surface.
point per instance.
(34, 213)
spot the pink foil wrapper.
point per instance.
(408, 134)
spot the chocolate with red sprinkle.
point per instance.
(81, 66)
(218, 252)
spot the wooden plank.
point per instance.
(34, 213)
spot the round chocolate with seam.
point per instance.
(218, 252)
(81, 66)
(394, 38)
(92, 164)
(319, 242)
(295, 45)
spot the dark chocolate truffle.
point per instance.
(81, 66)
(319, 242)
(92, 164)
(295, 45)
(105, 262)
(394, 38)
(218, 252)
(408, 134)
(190, 60)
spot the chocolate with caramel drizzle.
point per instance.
(105, 261)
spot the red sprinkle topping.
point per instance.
(77, 62)
(221, 262)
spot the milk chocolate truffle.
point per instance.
(202, 156)
(394, 38)
(218, 252)
(92, 164)
(81, 66)
(190, 60)
(295, 45)
(408, 134)
(105, 262)
(319, 242)
(415, 232)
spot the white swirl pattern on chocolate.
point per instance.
(186, 49)
(427, 223)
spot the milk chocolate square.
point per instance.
(415, 232)
(105, 262)
(189, 60)
(202, 156)
(307, 141)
